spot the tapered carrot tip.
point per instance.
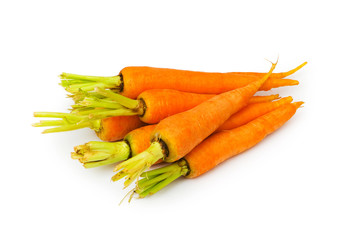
(292, 82)
(298, 104)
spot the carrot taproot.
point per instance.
(132, 81)
(274, 75)
(216, 149)
(151, 106)
(251, 112)
(94, 154)
(177, 135)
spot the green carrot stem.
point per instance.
(99, 103)
(48, 123)
(126, 102)
(94, 153)
(75, 83)
(102, 162)
(161, 177)
(68, 122)
(157, 171)
(88, 78)
(68, 127)
(112, 113)
(160, 185)
(136, 165)
(54, 115)
(84, 87)
(84, 111)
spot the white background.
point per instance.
(302, 182)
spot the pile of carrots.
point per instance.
(191, 120)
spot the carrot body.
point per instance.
(136, 80)
(223, 145)
(161, 103)
(183, 131)
(115, 128)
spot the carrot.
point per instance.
(177, 135)
(216, 149)
(132, 81)
(151, 106)
(94, 154)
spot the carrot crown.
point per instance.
(74, 83)
(88, 110)
(95, 153)
(105, 103)
(135, 166)
(156, 179)
(65, 122)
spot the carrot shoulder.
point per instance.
(216, 149)
(177, 135)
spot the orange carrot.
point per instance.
(216, 149)
(93, 154)
(151, 106)
(177, 135)
(132, 81)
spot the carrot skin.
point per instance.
(225, 144)
(115, 128)
(136, 80)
